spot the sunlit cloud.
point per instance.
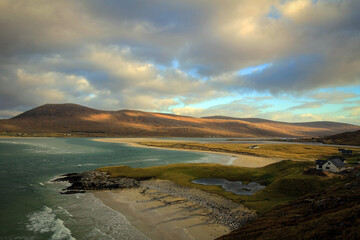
(282, 60)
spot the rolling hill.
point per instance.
(75, 119)
(346, 138)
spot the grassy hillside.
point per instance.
(347, 138)
(284, 151)
(332, 213)
(284, 180)
(82, 121)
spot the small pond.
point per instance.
(236, 187)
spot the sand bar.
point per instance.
(240, 160)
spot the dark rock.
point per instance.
(73, 192)
(95, 180)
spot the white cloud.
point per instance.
(9, 113)
(119, 55)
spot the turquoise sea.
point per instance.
(31, 206)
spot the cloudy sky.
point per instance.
(277, 59)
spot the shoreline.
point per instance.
(242, 160)
(161, 209)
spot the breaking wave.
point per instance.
(45, 221)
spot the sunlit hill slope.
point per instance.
(72, 118)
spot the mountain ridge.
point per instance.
(71, 117)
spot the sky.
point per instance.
(285, 60)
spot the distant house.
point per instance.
(254, 147)
(319, 164)
(345, 151)
(331, 165)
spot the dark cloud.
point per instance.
(296, 74)
(102, 53)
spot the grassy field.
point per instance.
(301, 152)
(332, 213)
(284, 180)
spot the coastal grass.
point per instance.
(284, 180)
(297, 152)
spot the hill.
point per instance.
(346, 138)
(83, 121)
(331, 213)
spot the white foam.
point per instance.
(65, 211)
(231, 161)
(103, 222)
(45, 221)
(151, 160)
(58, 147)
(99, 234)
(91, 164)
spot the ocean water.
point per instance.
(31, 206)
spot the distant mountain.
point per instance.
(72, 118)
(67, 110)
(346, 138)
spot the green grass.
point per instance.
(284, 180)
(299, 152)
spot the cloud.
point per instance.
(119, 54)
(9, 113)
(243, 108)
(307, 106)
(334, 96)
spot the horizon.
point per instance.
(289, 61)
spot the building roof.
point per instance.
(337, 162)
(345, 150)
(320, 162)
(339, 157)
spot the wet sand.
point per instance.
(240, 160)
(158, 221)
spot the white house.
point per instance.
(331, 165)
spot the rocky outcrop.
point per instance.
(94, 180)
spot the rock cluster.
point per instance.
(94, 180)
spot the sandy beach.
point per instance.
(240, 160)
(162, 210)
(159, 221)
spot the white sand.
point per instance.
(240, 160)
(156, 220)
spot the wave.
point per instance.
(89, 164)
(45, 221)
(231, 161)
(57, 146)
(63, 210)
